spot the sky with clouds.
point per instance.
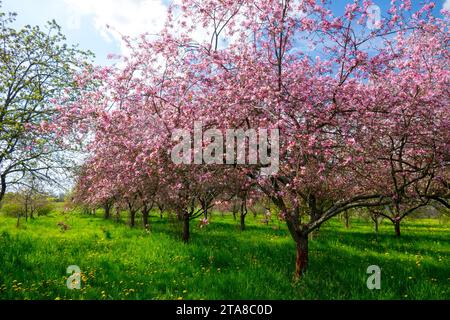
(95, 24)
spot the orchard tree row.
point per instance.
(362, 113)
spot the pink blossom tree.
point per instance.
(408, 122)
(342, 110)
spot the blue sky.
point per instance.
(85, 21)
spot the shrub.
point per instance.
(12, 209)
(45, 209)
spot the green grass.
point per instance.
(220, 262)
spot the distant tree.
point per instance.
(11, 206)
(36, 66)
(346, 216)
(30, 200)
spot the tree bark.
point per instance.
(2, 187)
(242, 222)
(186, 234)
(117, 214)
(397, 228)
(347, 220)
(107, 209)
(301, 263)
(26, 212)
(243, 212)
(161, 210)
(132, 218)
(375, 222)
(145, 218)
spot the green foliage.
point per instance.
(220, 262)
(12, 209)
(27, 202)
(45, 209)
(36, 65)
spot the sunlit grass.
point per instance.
(220, 262)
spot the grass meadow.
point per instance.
(220, 262)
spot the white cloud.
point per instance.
(115, 18)
(447, 5)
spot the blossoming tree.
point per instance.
(362, 115)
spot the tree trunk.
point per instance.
(132, 218)
(145, 218)
(243, 212)
(375, 223)
(397, 228)
(347, 220)
(242, 221)
(30, 209)
(186, 228)
(18, 220)
(107, 209)
(117, 214)
(234, 215)
(161, 210)
(301, 263)
(2, 186)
